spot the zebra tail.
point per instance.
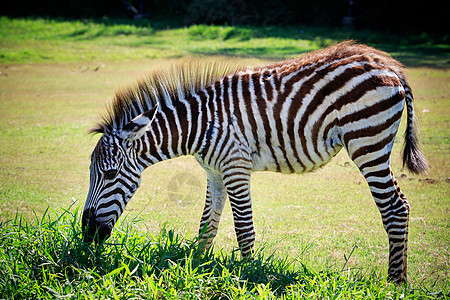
(413, 158)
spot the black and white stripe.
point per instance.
(290, 117)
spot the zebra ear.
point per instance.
(139, 125)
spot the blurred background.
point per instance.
(400, 16)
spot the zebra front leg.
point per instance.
(237, 183)
(215, 201)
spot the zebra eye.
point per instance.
(110, 174)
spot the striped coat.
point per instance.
(289, 117)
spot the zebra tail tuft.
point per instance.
(413, 158)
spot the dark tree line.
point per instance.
(409, 16)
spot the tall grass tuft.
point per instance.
(47, 258)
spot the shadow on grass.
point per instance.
(269, 53)
(420, 55)
(412, 58)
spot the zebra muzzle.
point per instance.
(92, 229)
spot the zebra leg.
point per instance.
(406, 206)
(394, 209)
(370, 149)
(237, 183)
(215, 201)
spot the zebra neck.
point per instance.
(168, 136)
(189, 127)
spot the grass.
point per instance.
(46, 259)
(40, 40)
(307, 225)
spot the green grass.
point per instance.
(50, 97)
(40, 40)
(46, 258)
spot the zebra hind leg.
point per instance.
(215, 202)
(370, 149)
(406, 207)
(394, 209)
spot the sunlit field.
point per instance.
(319, 235)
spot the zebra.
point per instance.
(291, 116)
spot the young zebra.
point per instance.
(292, 116)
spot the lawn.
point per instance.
(318, 234)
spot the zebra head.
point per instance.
(115, 175)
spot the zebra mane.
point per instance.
(165, 87)
(186, 79)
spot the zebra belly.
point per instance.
(284, 160)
